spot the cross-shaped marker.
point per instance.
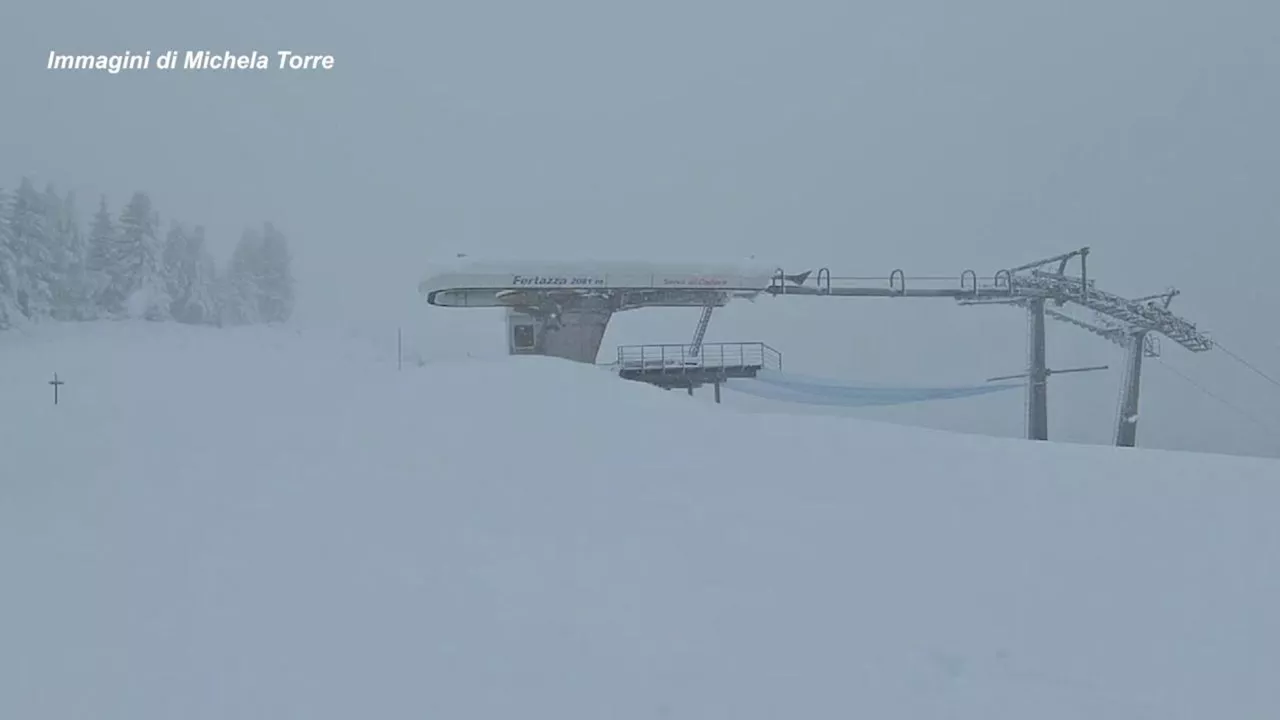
(55, 382)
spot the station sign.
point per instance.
(552, 281)
(691, 281)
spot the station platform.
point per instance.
(681, 366)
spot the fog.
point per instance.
(931, 136)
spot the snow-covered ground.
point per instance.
(262, 523)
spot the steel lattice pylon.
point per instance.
(1131, 323)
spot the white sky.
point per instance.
(932, 136)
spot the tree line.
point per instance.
(52, 267)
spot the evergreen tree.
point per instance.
(102, 238)
(201, 303)
(135, 265)
(274, 277)
(50, 267)
(175, 244)
(31, 246)
(9, 312)
(66, 272)
(82, 294)
(239, 288)
(191, 274)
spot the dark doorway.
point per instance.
(522, 337)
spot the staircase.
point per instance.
(701, 332)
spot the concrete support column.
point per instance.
(573, 334)
(576, 335)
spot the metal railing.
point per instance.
(676, 358)
(967, 284)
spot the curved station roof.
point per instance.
(485, 284)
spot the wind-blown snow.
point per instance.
(256, 523)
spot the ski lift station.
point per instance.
(563, 309)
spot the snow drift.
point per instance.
(256, 523)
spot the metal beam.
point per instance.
(1134, 323)
(1062, 261)
(1150, 316)
(1050, 372)
(1111, 331)
(1090, 368)
(953, 293)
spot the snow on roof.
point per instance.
(469, 265)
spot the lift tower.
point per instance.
(1045, 291)
(1130, 323)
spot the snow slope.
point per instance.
(259, 523)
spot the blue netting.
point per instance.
(774, 385)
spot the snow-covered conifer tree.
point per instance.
(274, 277)
(99, 264)
(66, 276)
(136, 264)
(202, 302)
(31, 247)
(239, 288)
(78, 251)
(192, 273)
(175, 244)
(9, 313)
